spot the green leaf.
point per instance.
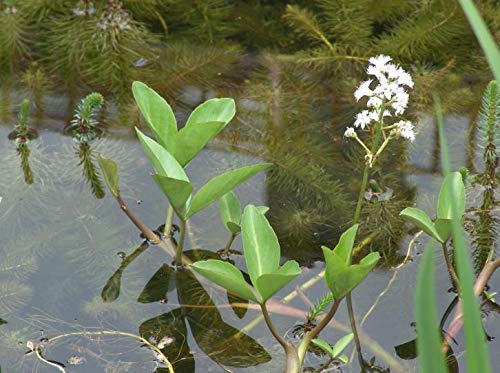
(230, 212)
(340, 277)
(337, 349)
(452, 189)
(158, 114)
(220, 185)
(157, 287)
(341, 344)
(260, 244)
(191, 139)
(430, 357)
(213, 110)
(163, 162)
(343, 358)
(269, 284)
(263, 209)
(422, 221)
(486, 40)
(110, 172)
(443, 228)
(324, 345)
(475, 340)
(226, 275)
(346, 243)
(177, 191)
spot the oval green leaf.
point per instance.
(157, 113)
(226, 275)
(422, 221)
(220, 185)
(110, 172)
(452, 189)
(260, 244)
(269, 284)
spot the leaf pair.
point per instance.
(452, 189)
(173, 181)
(204, 123)
(230, 212)
(335, 351)
(341, 276)
(262, 257)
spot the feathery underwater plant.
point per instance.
(84, 127)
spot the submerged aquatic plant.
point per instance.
(84, 126)
(14, 47)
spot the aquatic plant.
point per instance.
(14, 46)
(262, 257)
(84, 126)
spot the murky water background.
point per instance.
(60, 245)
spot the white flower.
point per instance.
(405, 129)
(400, 103)
(364, 118)
(363, 90)
(380, 61)
(349, 132)
(374, 101)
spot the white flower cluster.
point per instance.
(389, 98)
(405, 129)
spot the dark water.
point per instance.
(60, 245)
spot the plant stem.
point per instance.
(180, 244)
(361, 194)
(451, 269)
(167, 230)
(227, 248)
(148, 233)
(292, 358)
(306, 340)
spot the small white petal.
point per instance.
(363, 90)
(349, 132)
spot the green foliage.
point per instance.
(24, 112)
(174, 183)
(452, 192)
(14, 40)
(84, 125)
(110, 173)
(262, 257)
(475, 340)
(204, 123)
(340, 275)
(89, 171)
(320, 306)
(489, 131)
(335, 351)
(230, 212)
(430, 357)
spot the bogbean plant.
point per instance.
(172, 151)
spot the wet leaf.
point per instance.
(172, 325)
(238, 311)
(157, 287)
(111, 291)
(337, 349)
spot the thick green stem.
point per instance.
(167, 230)
(180, 243)
(292, 358)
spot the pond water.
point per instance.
(71, 262)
